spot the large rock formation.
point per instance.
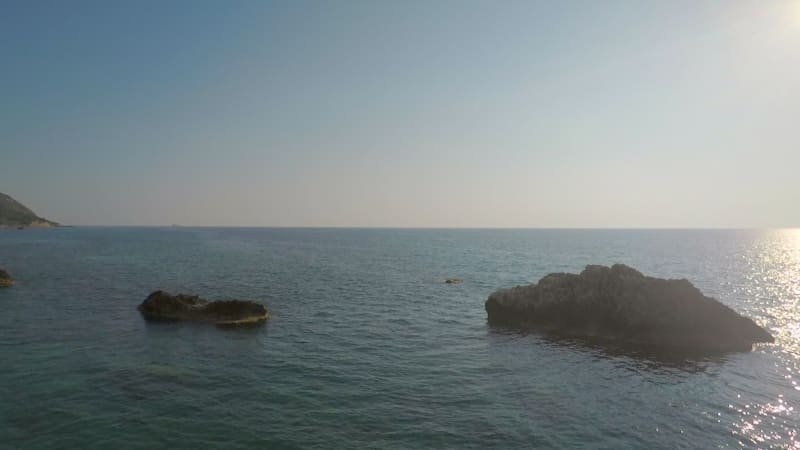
(5, 279)
(15, 214)
(161, 305)
(621, 304)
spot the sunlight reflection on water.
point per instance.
(773, 272)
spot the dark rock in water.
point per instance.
(621, 304)
(454, 280)
(5, 279)
(161, 305)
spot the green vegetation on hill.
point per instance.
(14, 213)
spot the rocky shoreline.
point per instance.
(14, 214)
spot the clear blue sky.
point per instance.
(423, 114)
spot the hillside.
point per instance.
(15, 214)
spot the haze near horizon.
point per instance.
(408, 114)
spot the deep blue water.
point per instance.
(367, 347)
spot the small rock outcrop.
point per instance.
(621, 304)
(162, 305)
(454, 280)
(5, 279)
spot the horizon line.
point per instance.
(358, 227)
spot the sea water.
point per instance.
(367, 347)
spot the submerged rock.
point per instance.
(161, 305)
(621, 304)
(5, 279)
(454, 280)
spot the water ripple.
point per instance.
(368, 347)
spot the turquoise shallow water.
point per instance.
(367, 347)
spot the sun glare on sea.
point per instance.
(785, 263)
(775, 265)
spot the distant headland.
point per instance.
(15, 214)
